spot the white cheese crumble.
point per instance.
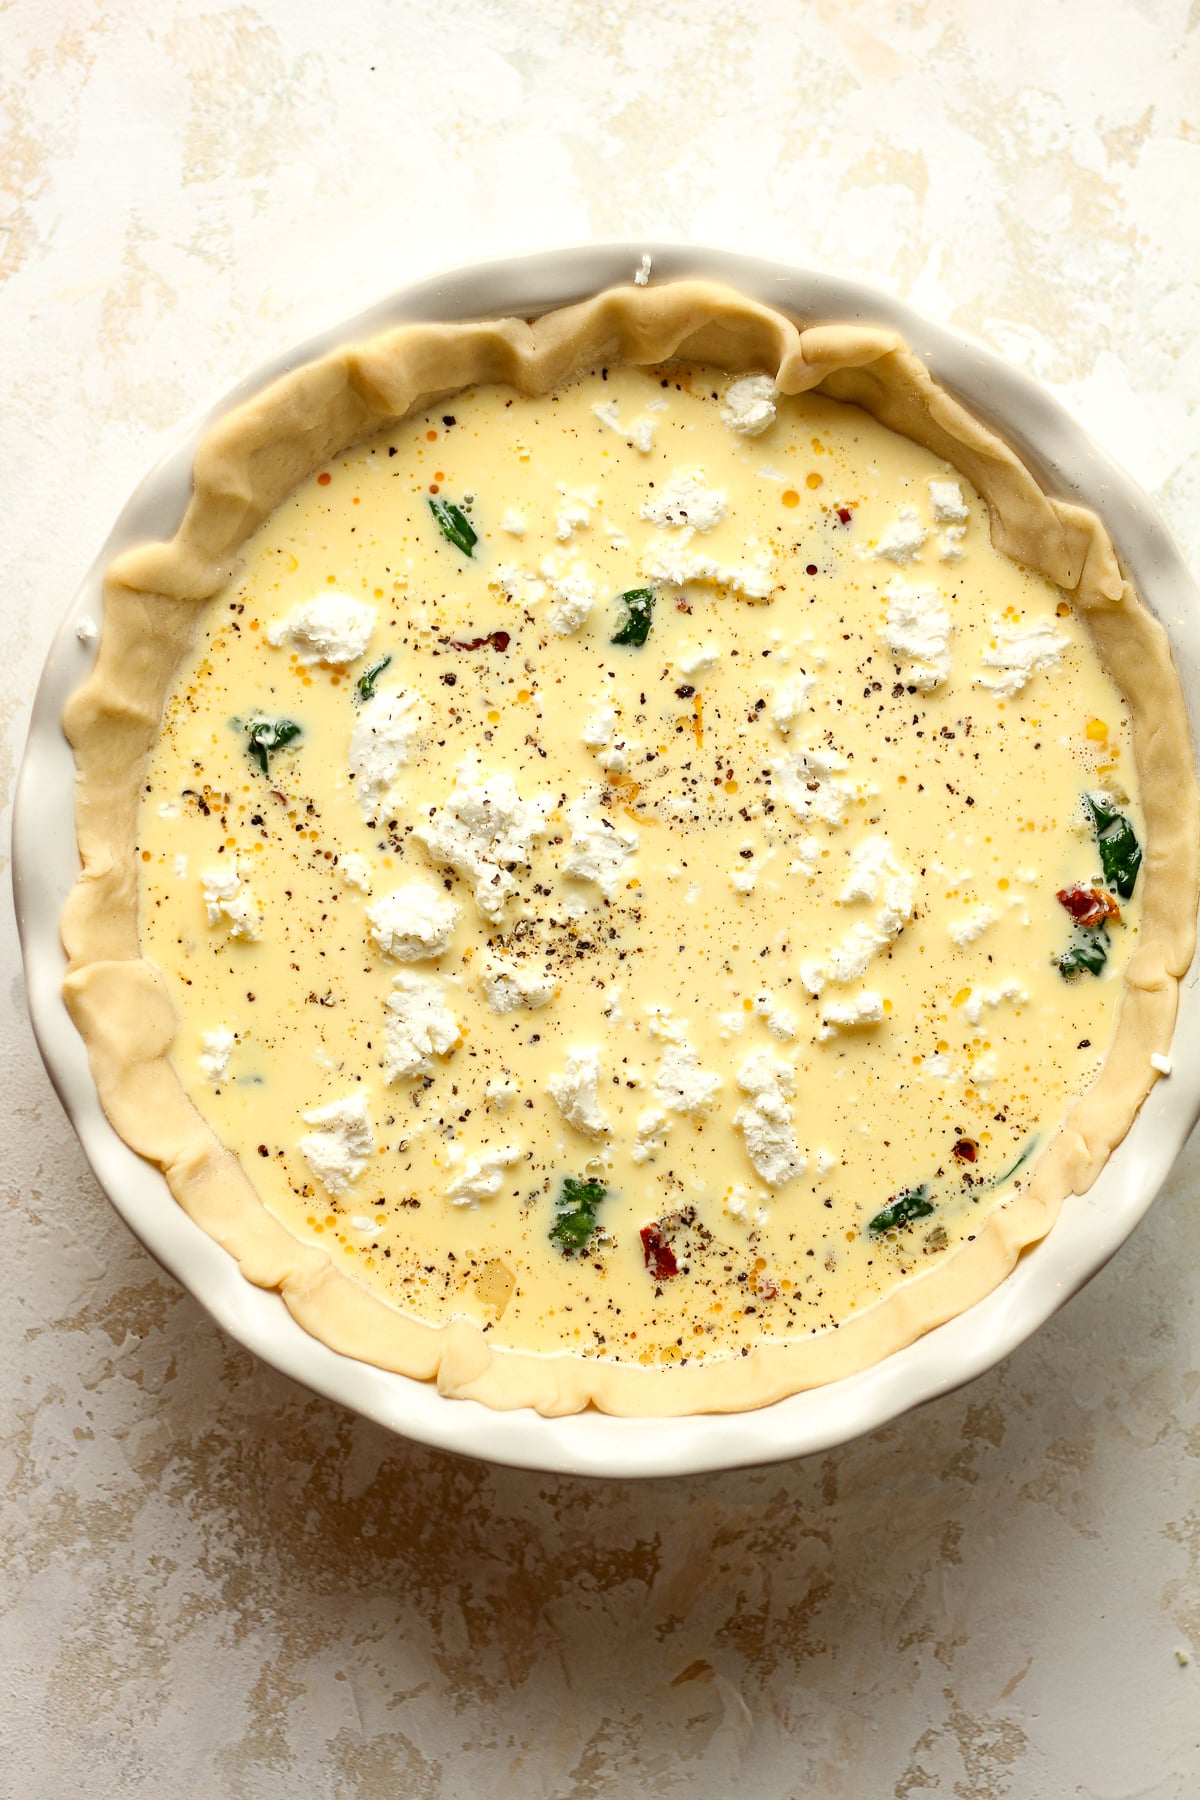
(507, 985)
(737, 1205)
(750, 405)
(875, 876)
(813, 975)
(522, 586)
(599, 850)
(946, 503)
(1162, 1063)
(992, 997)
(806, 779)
(615, 759)
(653, 1128)
(950, 544)
(850, 960)
(973, 925)
(356, 871)
(575, 512)
(339, 1150)
(808, 855)
(641, 275)
(779, 1020)
(330, 628)
(766, 1122)
(697, 659)
(865, 1008)
(227, 902)
(413, 922)
(873, 867)
(640, 432)
(917, 627)
(686, 500)
(482, 828)
(789, 699)
(681, 1084)
(673, 560)
(483, 1176)
(1018, 653)
(573, 595)
(381, 744)
(87, 631)
(217, 1049)
(180, 866)
(904, 538)
(514, 522)
(576, 1094)
(419, 1026)
(598, 729)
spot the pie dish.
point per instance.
(656, 326)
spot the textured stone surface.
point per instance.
(212, 1583)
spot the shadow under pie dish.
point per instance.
(777, 627)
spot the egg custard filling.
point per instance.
(636, 890)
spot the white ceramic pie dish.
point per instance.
(1091, 1227)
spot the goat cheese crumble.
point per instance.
(1018, 653)
(576, 1092)
(766, 1120)
(332, 628)
(228, 902)
(482, 1176)
(749, 407)
(413, 923)
(917, 631)
(482, 831)
(339, 1149)
(686, 500)
(418, 1026)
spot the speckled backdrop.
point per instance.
(214, 1584)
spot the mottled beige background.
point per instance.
(215, 1585)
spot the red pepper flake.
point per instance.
(660, 1258)
(1088, 906)
(499, 640)
(844, 515)
(966, 1149)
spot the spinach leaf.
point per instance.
(1089, 951)
(640, 605)
(265, 736)
(1120, 852)
(1026, 1153)
(914, 1203)
(368, 678)
(575, 1214)
(455, 526)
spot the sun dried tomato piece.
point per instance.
(499, 640)
(660, 1258)
(1088, 906)
(966, 1149)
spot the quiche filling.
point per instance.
(635, 867)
